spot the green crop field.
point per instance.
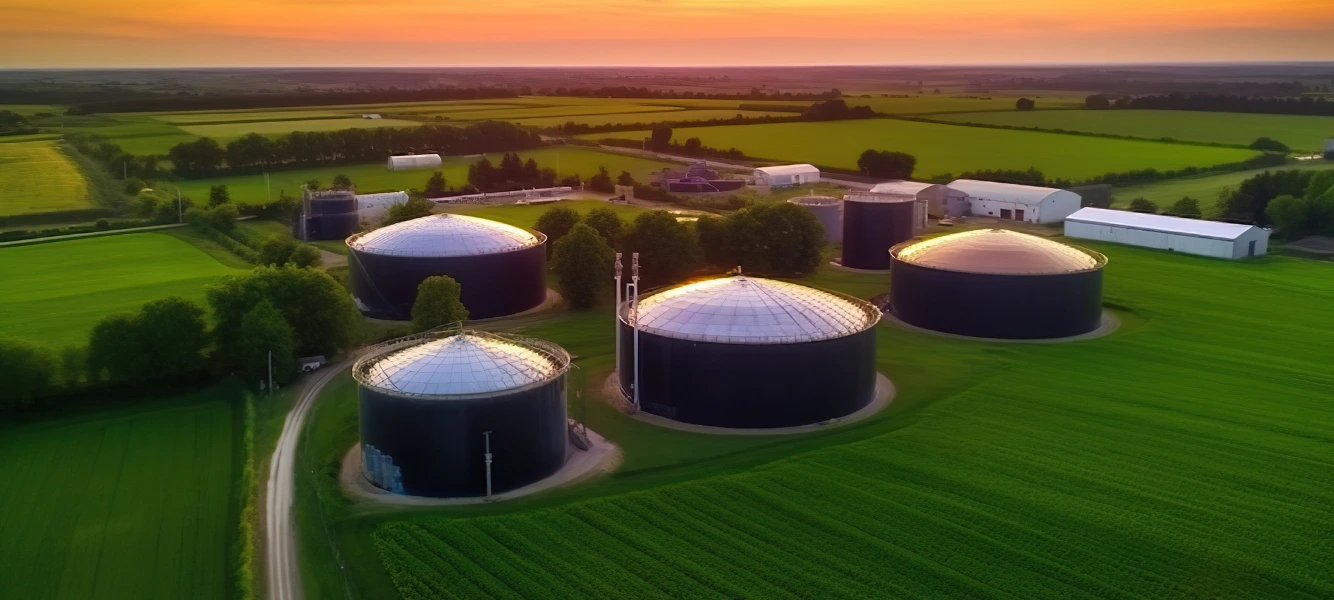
(36, 177)
(932, 103)
(127, 503)
(375, 177)
(224, 132)
(1204, 188)
(194, 118)
(1298, 132)
(1186, 455)
(650, 117)
(941, 148)
(55, 292)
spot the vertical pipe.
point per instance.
(616, 315)
(488, 462)
(634, 276)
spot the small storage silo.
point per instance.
(828, 210)
(874, 224)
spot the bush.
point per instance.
(775, 239)
(607, 223)
(323, 318)
(601, 182)
(1024, 104)
(134, 185)
(264, 331)
(414, 208)
(276, 250)
(164, 340)
(218, 195)
(1269, 145)
(1143, 205)
(438, 303)
(305, 256)
(1186, 207)
(30, 374)
(555, 223)
(102, 224)
(667, 249)
(582, 262)
(886, 164)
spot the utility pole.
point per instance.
(270, 372)
(634, 278)
(268, 191)
(488, 462)
(180, 215)
(616, 315)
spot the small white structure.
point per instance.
(371, 116)
(408, 162)
(311, 363)
(1329, 148)
(941, 200)
(371, 207)
(1192, 236)
(786, 175)
(1027, 203)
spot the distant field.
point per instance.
(1205, 189)
(129, 503)
(28, 110)
(246, 116)
(945, 103)
(56, 292)
(375, 177)
(526, 216)
(36, 177)
(139, 134)
(650, 117)
(227, 131)
(951, 148)
(1298, 132)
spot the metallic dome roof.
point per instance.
(998, 252)
(750, 310)
(461, 364)
(444, 235)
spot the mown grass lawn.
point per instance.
(1187, 455)
(125, 503)
(56, 292)
(36, 177)
(1299, 132)
(941, 148)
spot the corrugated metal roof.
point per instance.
(750, 310)
(788, 169)
(414, 161)
(1009, 192)
(900, 187)
(463, 364)
(444, 235)
(1161, 223)
(997, 252)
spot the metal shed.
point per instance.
(1027, 203)
(1191, 236)
(409, 162)
(786, 175)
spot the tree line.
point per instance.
(1291, 105)
(132, 101)
(287, 310)
(205, 157)
(1297, 203)
(645, 92)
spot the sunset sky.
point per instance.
(73, 33)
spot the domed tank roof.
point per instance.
(750, 310)
(445, 235)
(462, 364)
(998, 252)
(815, 200)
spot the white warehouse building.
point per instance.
(1191, 236)
(372, 207)
(1027, 203)
(941, 200)
(408, 162)
(786, 175)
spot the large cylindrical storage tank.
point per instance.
(500, 268)
(828, 210)
(427, 404)
(873, 225)
(745, 352)
(994, 283)
(330, 214)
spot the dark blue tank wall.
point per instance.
(332, 226)
(492, 285)
(424, 447)
(997, 306)
(870, 229)
(750, 385)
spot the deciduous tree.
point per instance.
(438, 303)
(582, 262)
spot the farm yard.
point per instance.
(999, 469)
(941, 148)
(56, 292)
(119, 503)
(37, 177)
(1301, 133)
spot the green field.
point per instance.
(375, 177)
(224, 132)
(37, 177)
(56, 292)
(126, 503)
(650, 117)
(1187, 455)
(950, 148)
(1298, 132)
(944, 103)
(1205, 189)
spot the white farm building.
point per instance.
(372, 207)
(786, 175)
(408, 162)
(941, 200)
(1027, 203)
(1191, 236)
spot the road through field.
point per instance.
(282, 567)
